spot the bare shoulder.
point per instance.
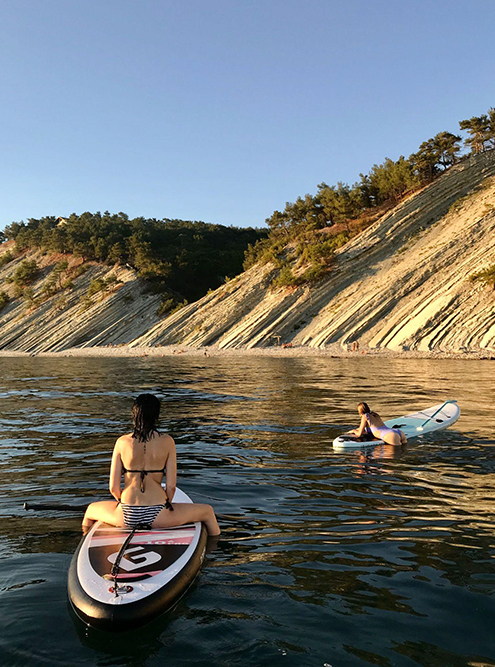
(123, 441)
(167, 440)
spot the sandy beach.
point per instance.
(334, 350)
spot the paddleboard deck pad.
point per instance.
(155, 570)
(430, 420)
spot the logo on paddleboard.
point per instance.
(146, 556)
(135, 558)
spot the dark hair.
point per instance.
(145, 413)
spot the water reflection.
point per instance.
(320, 551)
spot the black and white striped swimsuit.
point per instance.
(135, 515)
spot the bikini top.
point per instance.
(143, 474)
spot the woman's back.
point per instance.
(144, 464)
(374, 419)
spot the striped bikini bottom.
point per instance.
(135, 515)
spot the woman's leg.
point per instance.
(108, 511)
(188, 513)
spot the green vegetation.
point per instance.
(30, 300)
(4, 299)
(181, 259)
(6, 258)
(54, 283)
(103, 284)
(486, 276)
(481, 130)
(99, 286)
(26, 273)
(304, 236)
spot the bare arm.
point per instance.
(171, 471)
(362, 426)
(116, 473)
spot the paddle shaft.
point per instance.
(436, 413)
(58, 507)
(45, 507)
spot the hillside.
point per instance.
(70, 318)
(401, 284)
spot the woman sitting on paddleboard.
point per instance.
(372, 422)
(143, 457)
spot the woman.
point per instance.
(371, 422)
(144, 456)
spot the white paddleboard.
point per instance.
(432, 419)
(157, 567)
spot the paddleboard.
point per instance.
(156, 569)
(426, 421)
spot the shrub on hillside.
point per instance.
(26, 273)
(4, 299)
(486, 276)
(6, 258)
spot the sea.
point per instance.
(378, 556)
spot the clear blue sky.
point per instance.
(223, 110)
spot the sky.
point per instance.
(224, 110)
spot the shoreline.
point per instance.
(332, 351)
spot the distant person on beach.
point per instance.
(372, 423)
(144, 457)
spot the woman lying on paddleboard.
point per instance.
(143, 457)
(371, 422)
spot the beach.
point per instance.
(334, 350)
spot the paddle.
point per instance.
(420, 428)
(40, 507)
(60, 507)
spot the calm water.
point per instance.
(336, 559)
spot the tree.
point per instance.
(4, 299)
(447, 148)
(392, 179)
(491, 127)
(25, 273)
(481, 132)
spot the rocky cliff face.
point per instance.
(70, 318)
(401, 284)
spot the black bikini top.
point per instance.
(143, 474)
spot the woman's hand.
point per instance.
(362, 427)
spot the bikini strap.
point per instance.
(143, 474)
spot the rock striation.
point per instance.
(69, 318)
(402, 284)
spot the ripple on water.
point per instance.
(325, 559)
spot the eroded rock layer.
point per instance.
(69, 318)
(404, 283)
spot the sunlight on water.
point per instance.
(377, 557)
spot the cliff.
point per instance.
(401, 284)
(69, 318)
